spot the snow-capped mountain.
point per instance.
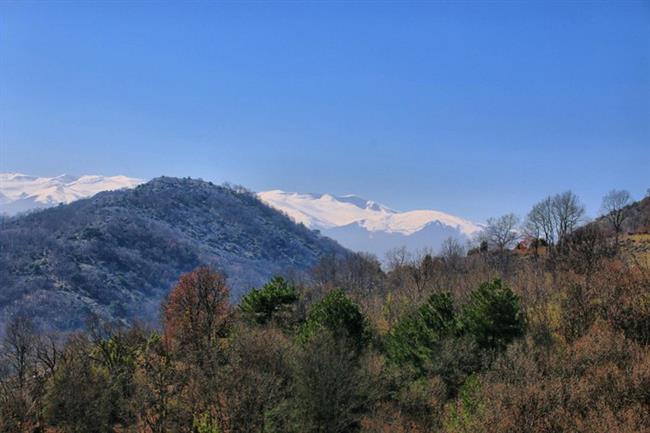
(21, 192)
(364, 225)
(356, 223)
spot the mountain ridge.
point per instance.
(355, 222)
(21, 192)
(115, 255)
(374, 216)
(365, 225)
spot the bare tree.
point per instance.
(567, 213)
(48, 353)
(398, 257)
(540, 221)
(500, 233)
(18, 348)
(612, 208)
(17, 367)
(452, 252)
(555, 217)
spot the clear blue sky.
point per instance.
(475, 108)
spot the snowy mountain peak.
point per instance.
(355, 222)
(363, 203)
(15, 176)
(20, 192)
(365, 225)
(325, 211)
(321, 211)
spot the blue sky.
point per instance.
(474, 108)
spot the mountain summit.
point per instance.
(365, 225)
(356, 223)
(116, 255)
(21, 192)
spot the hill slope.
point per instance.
(117, 254)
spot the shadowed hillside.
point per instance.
(115, 255)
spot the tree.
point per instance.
(567, 213)
(79, 398)
(196, 322)
(613, 207)
(493, 316)
(555, 217)
(585, 248)
(270, 303)
(329, 394)
(397, 258)
(413, 340)
(17, 371)
(337, 314)
(158, 388)
(428, 343)
(19, 346)
(452, 251)
(115, 349)
(500, 233)
(196, 312)
(256, 379)
(540, 221)
(359, 273)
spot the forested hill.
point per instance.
(116, 254)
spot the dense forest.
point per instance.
(542, 326)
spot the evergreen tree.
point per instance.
(414, 338)
(270, 303)
(337, 314)
(493, 316)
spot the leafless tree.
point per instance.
(48, 353)
(17, 367)
(540, 221)
(500, 233)
(398, 257)
(613, 207)
(18, 348)
(452, 252)
(567, 213)
(420, 268)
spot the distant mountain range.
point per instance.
(364, 225)
(116, 254)
(356, 223)
(21, 192)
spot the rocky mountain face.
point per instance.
(117, 254)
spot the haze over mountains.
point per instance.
(356, 223)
